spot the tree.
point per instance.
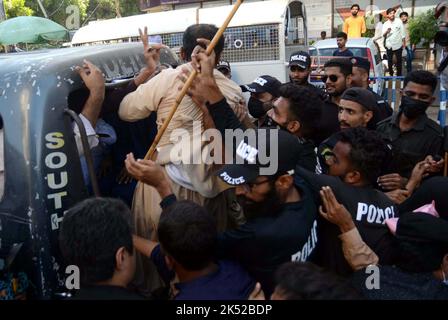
(56, 9)
(423, 28)
(17, 8)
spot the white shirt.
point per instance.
(394, 40)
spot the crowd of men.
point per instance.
(355, 184)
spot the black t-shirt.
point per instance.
(328, 123)
(262, 244)
(369, 209)
(345, 53)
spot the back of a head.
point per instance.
(91, 233)
(422, 77)
(305, 106)
(343, 64)
(306, 281)
(187, 233)
(422, 241)
(367, 153)
(196, 31)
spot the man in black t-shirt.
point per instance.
(354, 165)
(96, 237)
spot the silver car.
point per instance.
(322, 51)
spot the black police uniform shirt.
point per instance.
(264, 243)
(329, 122)
(384, 109)
(412, 146)
(369, 209)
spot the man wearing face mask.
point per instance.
(410, 132)
(263, 92)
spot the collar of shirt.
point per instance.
(419, 125)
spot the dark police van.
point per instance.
(42, 170)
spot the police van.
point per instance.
(42, 170)
(259, 39)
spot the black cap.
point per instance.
(263, 84)
(222, 64)
(362, 96)
(301, 59)
(361, 62)
(270, 149)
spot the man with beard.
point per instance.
(357, 108)
(300, 69)
(279, 208)
(355, 25)
(411, 133)
(360, 78)
(337, 78)
(342, 50)
(263, 92)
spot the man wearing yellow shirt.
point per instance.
(355, 25)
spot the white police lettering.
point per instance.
(246, 152)
(260, 81)
(232, 181)
(373, 214)
(249, 88)
(58, 180)
(308, 247)
(298, 58)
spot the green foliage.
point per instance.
(17, 8)
(422, 28)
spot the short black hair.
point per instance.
(344, 65)
(91, 233)
(196, 31)
(187, 233)
(367, 153)
(306, 281)
(323, 32)
(404, 13)
(305, 106)
(341, 35)
(390, 10)
(422, 77)
(355, 5)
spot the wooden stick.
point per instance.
(190, 79)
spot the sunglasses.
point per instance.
(333, 78)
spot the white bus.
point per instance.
(259, 39)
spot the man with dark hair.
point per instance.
(279, 208)
(411, 133)
(263, 92)
(337, 78)
(404, 16)
(354, 164)
(96, 237)
(358, 108)
(224, 67)
(323, 35)
(360, 78)
(355, 25)
(188, 240)
(158, 95)
(395, 35)
(342, 51)
(306, 281)
(300, 69)
(298, 110)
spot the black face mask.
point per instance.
(413, 108)
(256, 108)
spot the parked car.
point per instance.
(42, 169)
(322, 51)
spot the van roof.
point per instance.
(253, 13)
